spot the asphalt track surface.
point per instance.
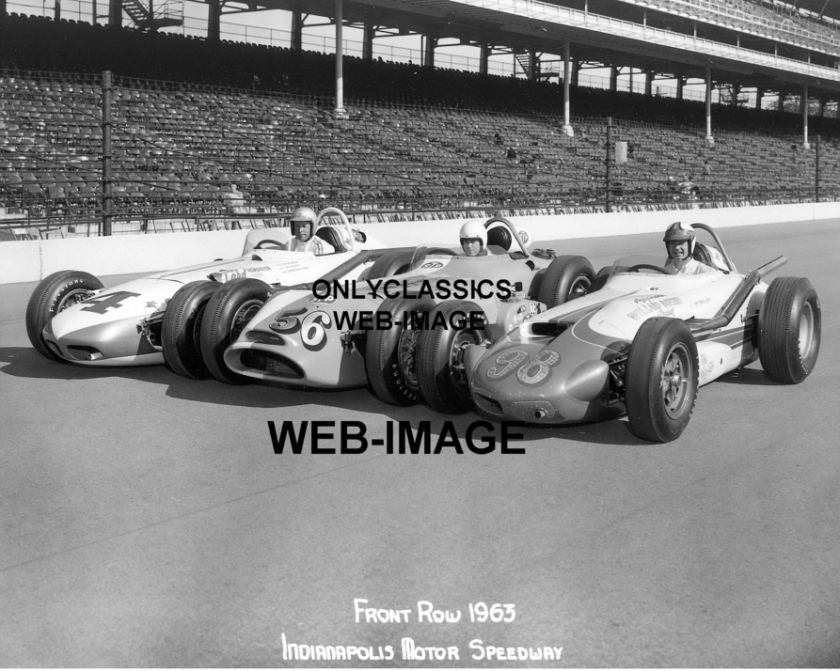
(146, 520)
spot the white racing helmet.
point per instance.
(303, 215)
(474, 230)
(676, 232)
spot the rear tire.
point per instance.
(439, 360)
(661, 379)
(181, 328)
(566, 278)
(389, 353)
(52, 295)
(789, 327)
(227, 313)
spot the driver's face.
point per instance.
(471, 246)
(304, 230)
(678, 249)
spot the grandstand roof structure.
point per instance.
(751, 44)
(829, 8)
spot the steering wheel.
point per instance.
(647, 266)
(269, 244)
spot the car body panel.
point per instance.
(112, 327)
(560, 367)
(296, 332)
(338, 361)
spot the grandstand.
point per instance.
(206, 133)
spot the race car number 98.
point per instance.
(506, 361)
(538, 368)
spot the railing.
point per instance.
(753, 18)
(566, 16)
(789, 31)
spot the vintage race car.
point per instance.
(336, 335)
(71, 317)
(644, 340)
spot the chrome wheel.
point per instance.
(580, 287)
(676, 380)
(807, 329)
(243, 315)
(456, 356)
(405, 358)
(73, 298)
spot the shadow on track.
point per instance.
(750, 376)
(24, 362)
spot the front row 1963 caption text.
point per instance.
(408, 648)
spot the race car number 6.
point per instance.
(313, 330)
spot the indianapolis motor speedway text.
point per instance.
(400, 437)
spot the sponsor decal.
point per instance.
(663, 305)
(226, 275)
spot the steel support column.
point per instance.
(115, 13)
(567, 75)
(339, 58)
(297, 31)
(710, 140)
(804, 106)
(367, 41)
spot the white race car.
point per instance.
(71, 317)
(644, 340)
(434, 302)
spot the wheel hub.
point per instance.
(675, 381)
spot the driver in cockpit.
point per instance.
(303, 221)
(680, 243)
(474, 239)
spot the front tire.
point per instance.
(227, 313)
(566, 278)
(182, 326)
(390, 353)
(789, 327)
(53, 294)
(661, 379)
(441, 376)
